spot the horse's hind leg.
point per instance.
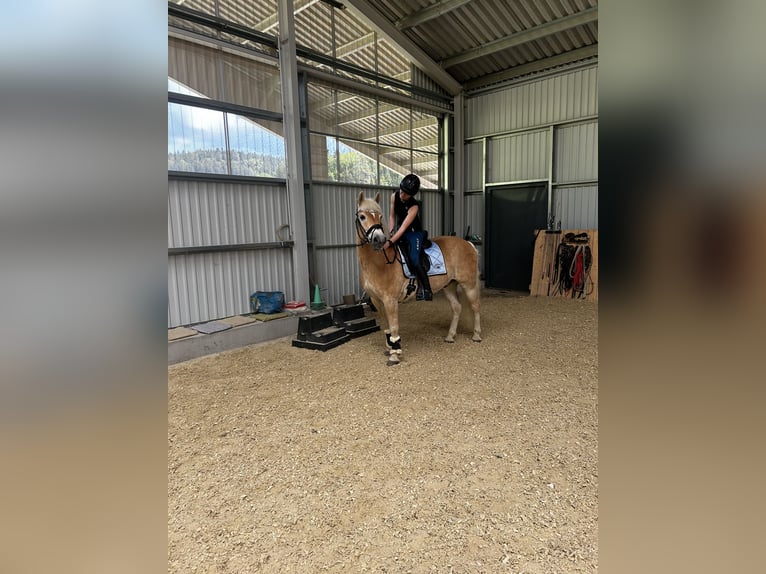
(450, 291)
(473, 294)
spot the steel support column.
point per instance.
(288, 69)
(458, 212)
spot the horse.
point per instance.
(384, 280)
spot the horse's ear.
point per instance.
(361, 198)
(377, 197)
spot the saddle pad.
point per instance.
(438, 266)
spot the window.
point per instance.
(360, 139)
(202, 140)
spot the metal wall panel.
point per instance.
(474, 214)
(543, 102)
(516, 123)
(221, 213)
(518, 157)
(449, 212)
(208, 286)
(474, 218)
(334, 210)
(337, 273)
(432, 209)
(576, 206)
(474, 172)
(576, 153)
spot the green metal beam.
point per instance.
(531, 67)
(535, 33)
(377, 21)
(429, 13)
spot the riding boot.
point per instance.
(425, 293)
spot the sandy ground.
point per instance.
(466, 457)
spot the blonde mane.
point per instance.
(369, 205)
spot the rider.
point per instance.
(405, 213)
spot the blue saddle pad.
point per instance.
(434, 253)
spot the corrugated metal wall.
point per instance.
(205, 286)
(518, 157)
(576, 206)
(474, 157)
(515, 125)
(211, 285)
(576, 153)
(335, 263)
(224, 213)
(544, 102)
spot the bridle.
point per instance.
(365, 237)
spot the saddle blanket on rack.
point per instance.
(435, 255)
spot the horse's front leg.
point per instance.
(393, 341)
(382, 315)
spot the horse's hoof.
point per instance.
(391, 363)
(476, 339)
(449, 339)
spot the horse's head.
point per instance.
(369, 221)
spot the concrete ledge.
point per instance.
(258, 332)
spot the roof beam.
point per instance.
(346, 96)
(429, 13)
(355, 45)
(366, 114)
(417, 145)
(535, 66)
(534, 33)
(377, 21)
(273, 20)
(398, 129)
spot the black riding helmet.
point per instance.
(410, 184)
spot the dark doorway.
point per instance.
(513, 214)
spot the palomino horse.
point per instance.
(382, 276)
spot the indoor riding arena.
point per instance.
(466, 457)
(300, 437)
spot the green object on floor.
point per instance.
(317, 303)
(268, 316)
